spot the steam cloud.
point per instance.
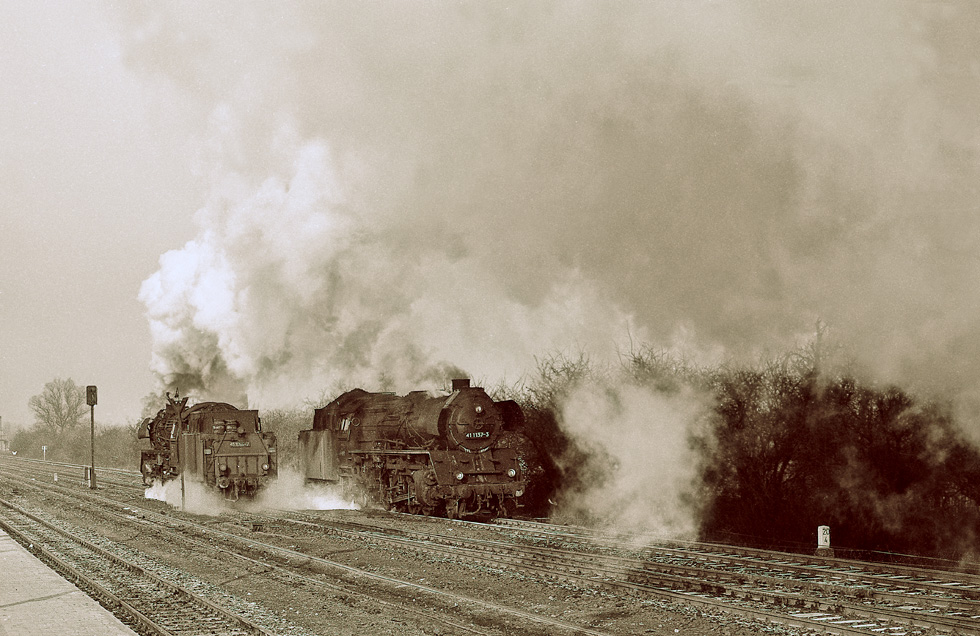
(645, 434)
(287, 492)
(285, 293)
(402, 189)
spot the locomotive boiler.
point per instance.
(212, 442)
(419, 453)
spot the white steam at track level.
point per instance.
(287, 492)
(400, 190)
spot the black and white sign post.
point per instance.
(91, 398)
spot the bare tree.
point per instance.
(60, 406)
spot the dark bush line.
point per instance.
(790, 447)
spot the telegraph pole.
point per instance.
(91, 398)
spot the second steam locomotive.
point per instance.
(212, 442)
(419, 453)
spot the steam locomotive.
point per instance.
(418, 453)
(212, 442)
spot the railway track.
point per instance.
(837, 603)
(857, 579)
(347, 580)
(49, 465)
(966, 573)
(822, 595)
(131, 586)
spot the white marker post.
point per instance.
(823, 542)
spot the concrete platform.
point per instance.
(36, 601)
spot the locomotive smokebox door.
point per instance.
(318, 455)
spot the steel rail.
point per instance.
(84, 581)
(811, 620)
(306, 560)
(545, 561)
(173, 587)
(727, 551)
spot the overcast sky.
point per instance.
(96, 184)
(280, 199)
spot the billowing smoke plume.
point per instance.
(288, 291)
(651, 469)
(402, 187)
(403, 191)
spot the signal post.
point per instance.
(91, 398)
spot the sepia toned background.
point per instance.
(275, 201)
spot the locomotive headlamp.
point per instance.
(265, 467)
(459, 476)
(479, 409)
(512, 473)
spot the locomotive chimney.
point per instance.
(461, 383)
